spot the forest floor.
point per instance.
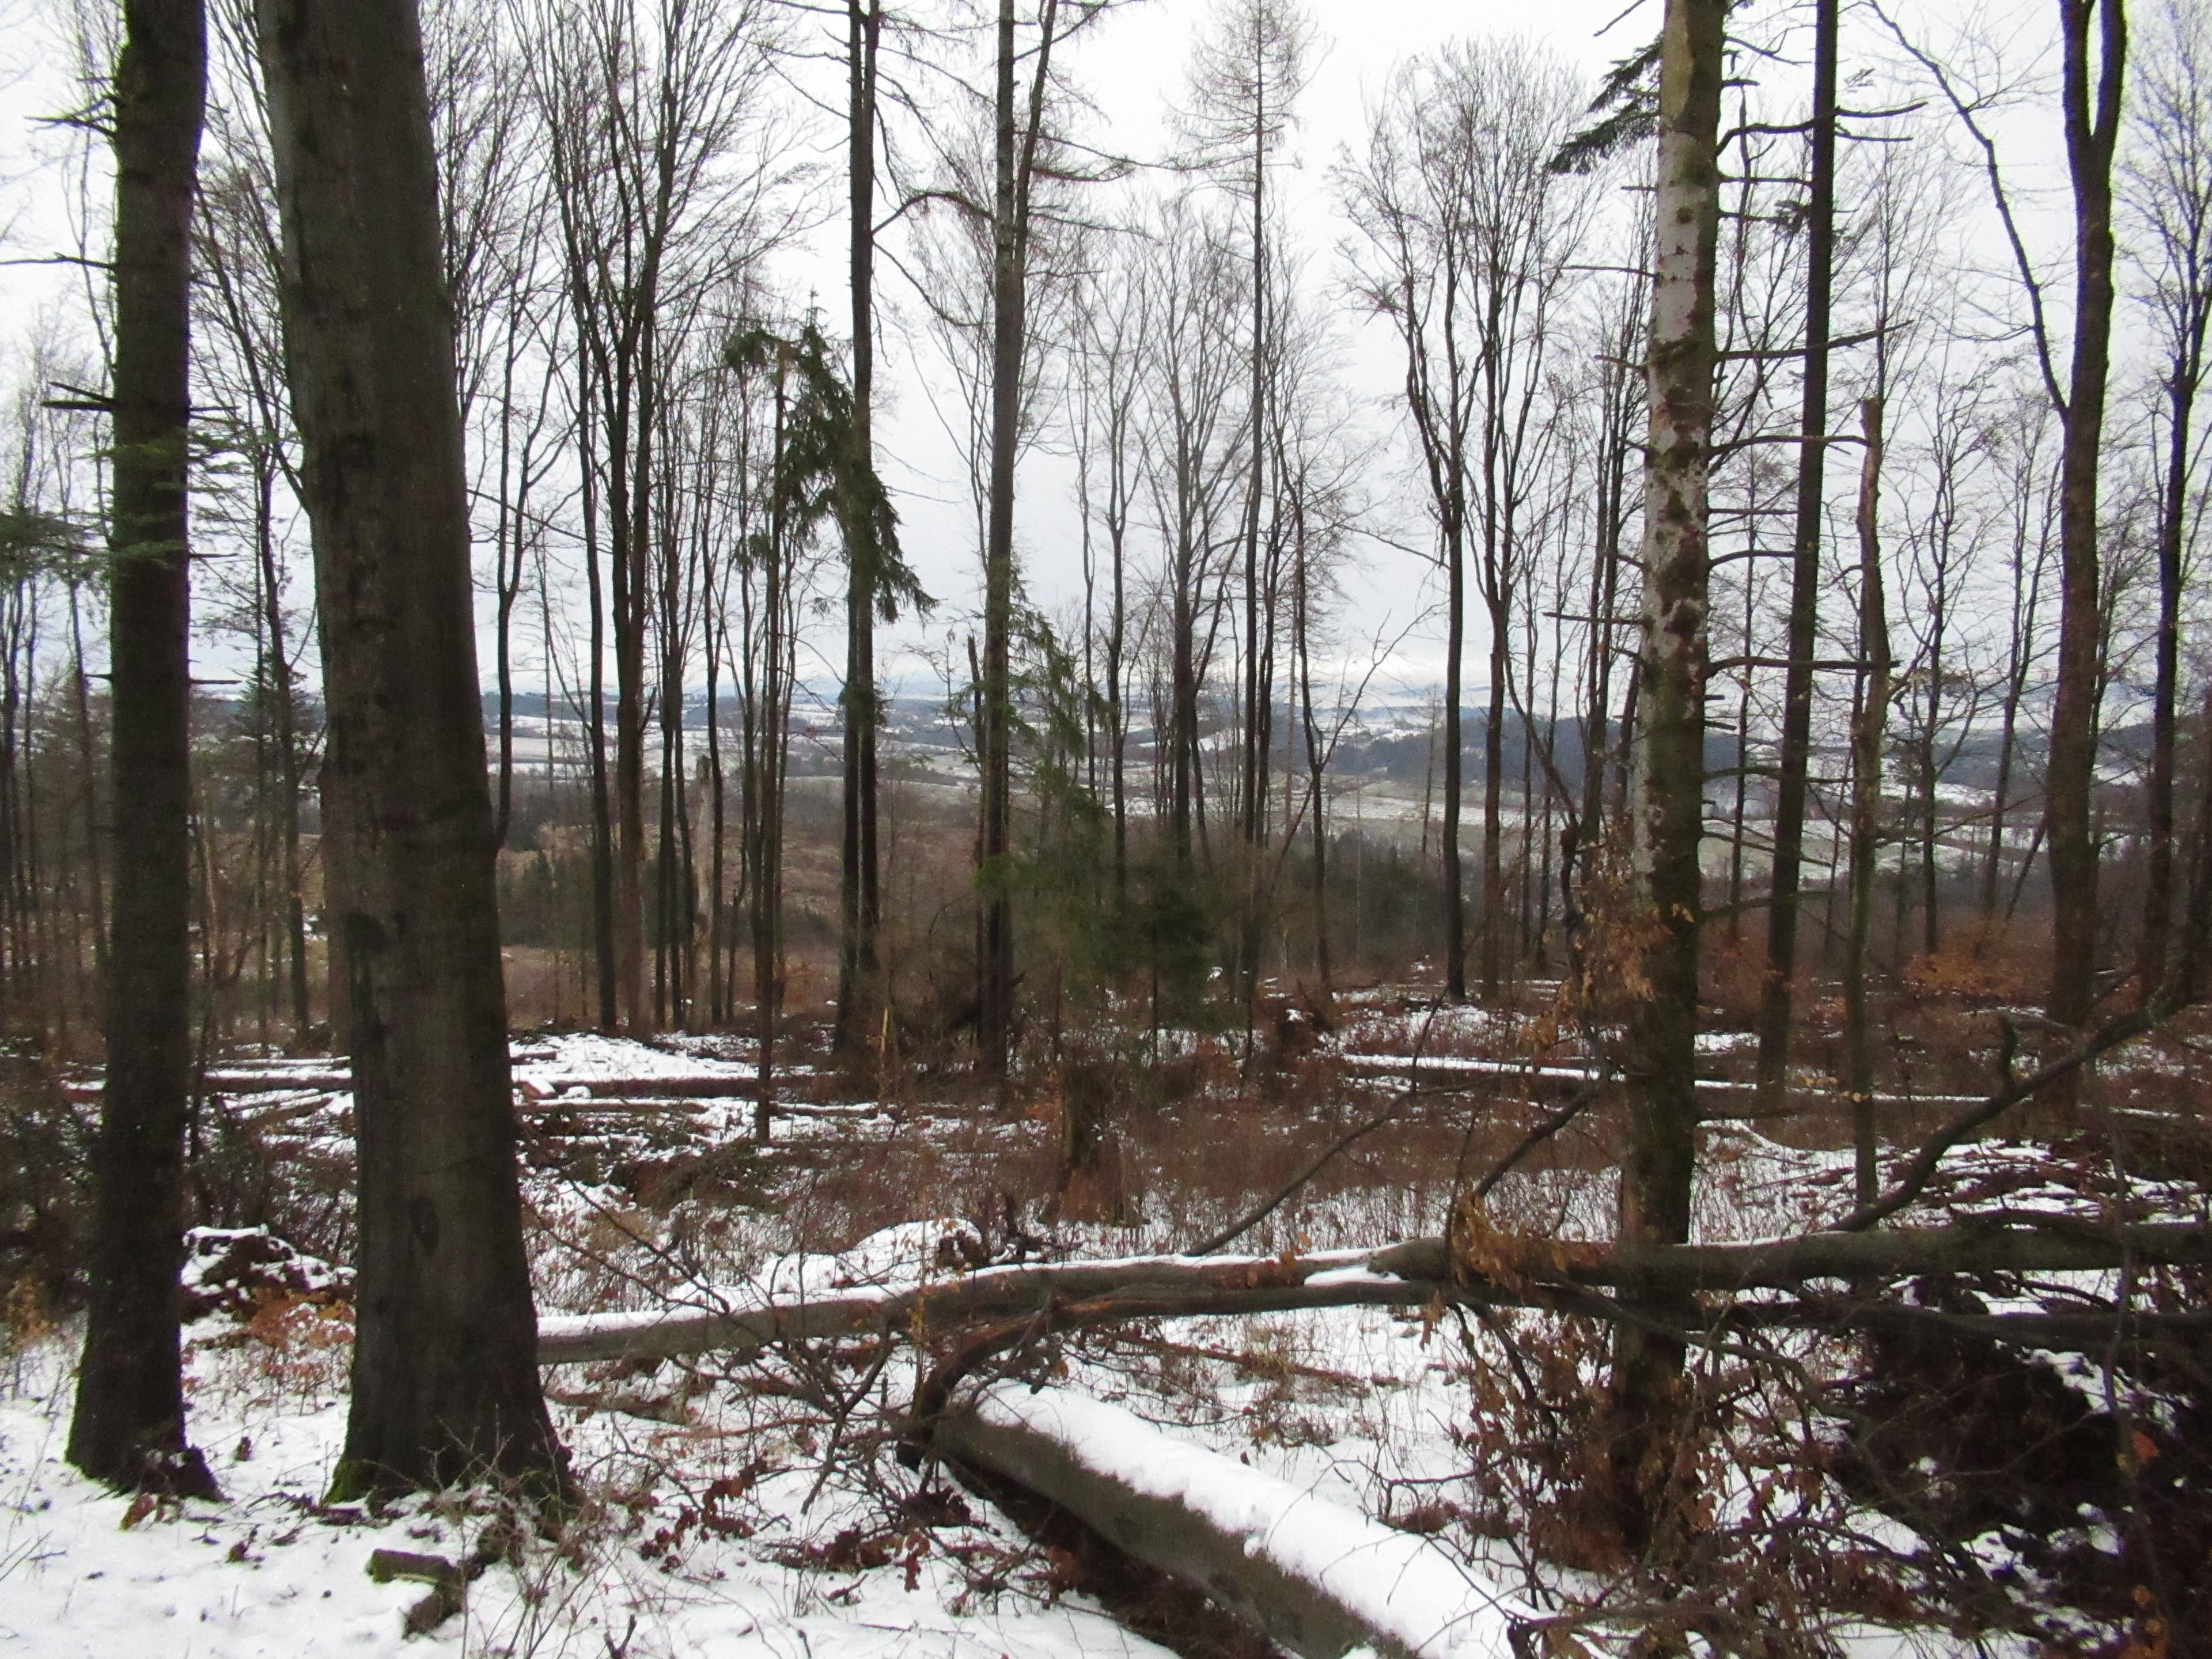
(1848, 1496)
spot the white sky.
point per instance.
(1132, 66)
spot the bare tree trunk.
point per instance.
(1866, 807)
(1666, 808)
(1259, 686)
(2171, 184)
(1454, 749)
(445, 1380)
(632, 525)
(2091, 134)
(2019, 658)
(717, 631)
(129, 1425)
(772, 733)
(287, 747)
(506, 589)
(995, 964)
(1775, 1001)
(1316, 755)
(1015, 163)
(859, 903)
(603, 849)
(1493, 773)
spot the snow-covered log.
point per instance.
(1319, 1578)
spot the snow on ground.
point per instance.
(270, 1573)
(711, 1526)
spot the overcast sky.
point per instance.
(1132, 65)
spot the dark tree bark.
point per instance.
(1453, 534)
(1873, 720)
(128, 1427)
(994, 991)
(1016, 165)
(859, 903)
(603, 834)
(2091, 110)
(1667, 809)
(1776, 1002)
(445, 1381)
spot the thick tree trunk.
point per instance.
(128, 1427)
(1776, 1002)
(2091, 133)
(1666, 809)
(445, 1383)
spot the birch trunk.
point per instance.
(1666, 809)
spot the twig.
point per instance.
(1918, 1172)
(1237, 1230)
(1577, 1103)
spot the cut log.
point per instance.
(1321, 1579)
(1512, 1272)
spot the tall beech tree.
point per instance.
(1667, 802)
(1871, 720)
(1776, 1001)
(859, 885)
(445, 1376)
(1016, 136)
(128, 1427)
(2094, 36)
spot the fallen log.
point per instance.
(1442, 1071)
(989, 1295)
(2059, 1246)
(609, 1105)
(1505, 1272)
(1320, 1579)
(709, 1085)
(235, 1082)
